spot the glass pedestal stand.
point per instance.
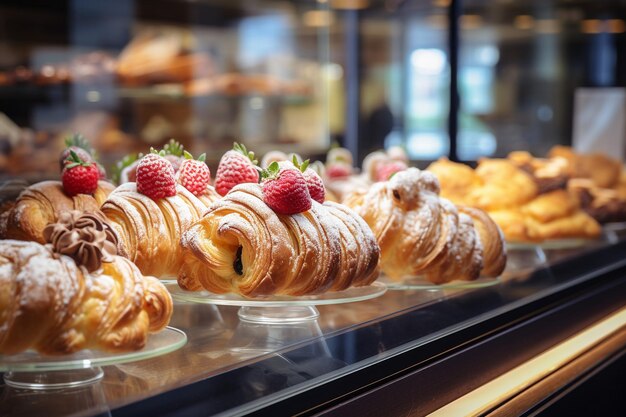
(523, 259)
(272, 322)
(33, 371)
(614, 232)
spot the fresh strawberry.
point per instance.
(338, 170)
(285, 190)
(81, 148)
(236, 167)
(155, 176)
(386, 170)
(79, 177)
(313, 180)
(193, 174)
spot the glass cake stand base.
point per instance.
(269, 323)
(274, 309)
(278, 315)
(34, 371)
(523, 260)
(53, 379)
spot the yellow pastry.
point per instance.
(53, 304)
(422, 234)
(149, 230)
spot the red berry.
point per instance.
(80, 178)
(287, 192)
(194, 176)
(338, 170)
(315, 185)
(384, 171)
(65, 159)
(155, 177)
(236, 167)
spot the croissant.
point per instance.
(240, 245)
(40, 204)
(149, 230)
(512, 197)
(49, 304)
(422, 234)
(603, 170)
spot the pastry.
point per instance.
(512, 197)
(503, 185)
(549, 173)
(41, 203)
(149, 230)
(54, 305)
(422, 234)
(603, 204)
(242, 246)
(455, 179)
(603, 170)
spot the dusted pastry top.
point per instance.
(87, 238)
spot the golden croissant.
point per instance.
(49, 304)
(40, 205)
(511, 196)
(149, 230)
(242, 246)
(422, 234)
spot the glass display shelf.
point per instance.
(421, 283)
(552, 244)
(279, 308)
(32, 370)
(251, 366)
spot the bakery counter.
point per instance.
(406, 350)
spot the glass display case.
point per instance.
(132, 75)
(465, 80)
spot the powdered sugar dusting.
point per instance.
(304, 254)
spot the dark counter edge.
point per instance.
(428, 375)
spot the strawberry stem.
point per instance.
(241, 148)
(302, 166)
(270, 172)
(75, 160)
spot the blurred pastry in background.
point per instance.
(93, 67)
(606, 205)
(549, 173)
(603, 170)
(515, 200)
(152, 58)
